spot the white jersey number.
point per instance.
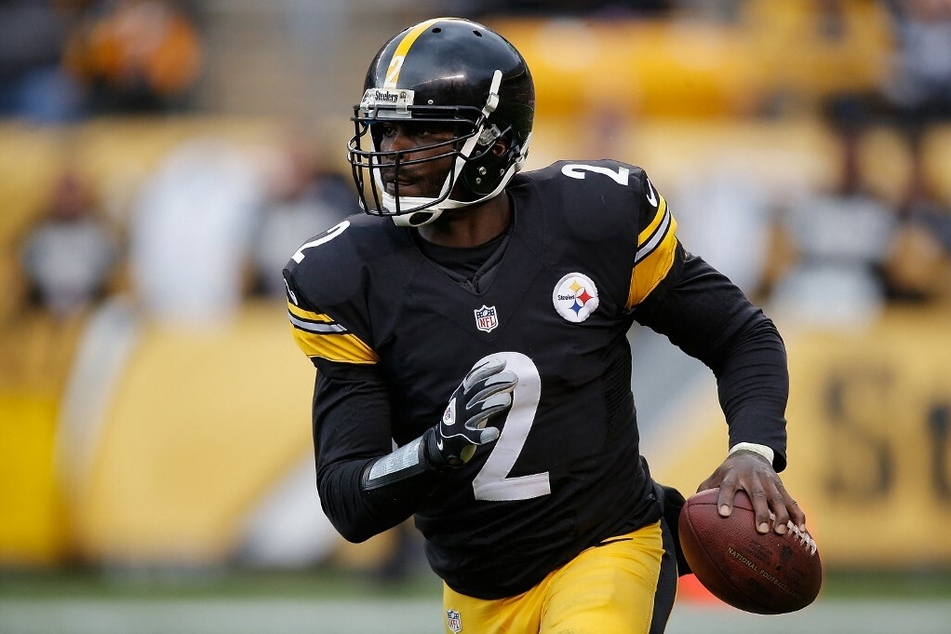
(493, 482)
(328, 235)
(579, 171)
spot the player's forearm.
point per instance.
(363, 497)
(753, 387)
(359, 508)
(351, 433)
(710, 318)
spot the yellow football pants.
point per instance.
(607, 589)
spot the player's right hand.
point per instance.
(773, 506)
(484, 395)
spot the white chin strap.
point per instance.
(427, 208)
(430, 214)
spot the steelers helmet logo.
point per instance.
(575, 297)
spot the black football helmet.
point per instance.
(453, 73)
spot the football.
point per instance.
(764, 574)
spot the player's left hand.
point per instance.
(750, 472)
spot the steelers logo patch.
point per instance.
(575, 297)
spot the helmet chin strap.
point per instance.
(423, 216)
(432, 208)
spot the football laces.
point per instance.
(805, 539)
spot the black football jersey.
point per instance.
(589, 241)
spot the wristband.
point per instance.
(762, 450)
(403, 463)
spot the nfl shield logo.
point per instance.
(454, 621)
(486, 318)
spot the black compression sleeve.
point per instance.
(351, 424)
(710, 318)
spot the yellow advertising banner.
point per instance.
(869, 422)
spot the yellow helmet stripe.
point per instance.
(399, 55)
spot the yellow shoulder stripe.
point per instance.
(656, 248)
(318, 335)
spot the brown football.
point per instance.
(765, 574)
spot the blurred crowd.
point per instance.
(839, 253)
(858, 248)
(211, 226)
(61, 60)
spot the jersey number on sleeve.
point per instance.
(328, 235)
(493, 482)
(578, 171)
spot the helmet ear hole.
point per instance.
(501, 146)
(481, 177)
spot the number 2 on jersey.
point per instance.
(493, 482)
(328, 235)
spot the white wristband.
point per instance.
(762, 450)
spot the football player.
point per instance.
(473, 368)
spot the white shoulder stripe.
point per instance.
(655, 239)
(317, 327)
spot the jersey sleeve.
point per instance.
(700, 310)
(656, 257)
(351, 429)
(711, 319)
(320, 336)
(327, 304)
(325, 300)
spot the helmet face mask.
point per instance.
(387, 166)
(462, 80)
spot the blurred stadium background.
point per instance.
(155, 455)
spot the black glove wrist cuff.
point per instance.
(435, 461)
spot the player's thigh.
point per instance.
(608, 589)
